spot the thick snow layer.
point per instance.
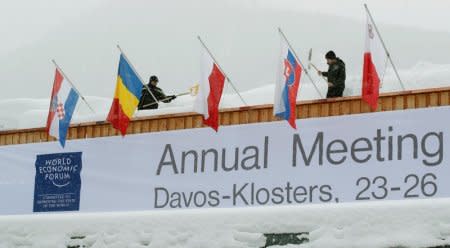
(30, 113)
(413, 223)
(161, 39)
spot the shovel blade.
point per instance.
(309, 58)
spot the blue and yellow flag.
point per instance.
(126, 97)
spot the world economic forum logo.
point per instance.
(59, 171)
(57, 182)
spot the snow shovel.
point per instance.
(193, 91)
(310, 62)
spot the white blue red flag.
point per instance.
(62, 105)
(287, 85)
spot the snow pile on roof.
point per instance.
(32, 113)
(412, 223)
(242, 34)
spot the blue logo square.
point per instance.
(57, 183)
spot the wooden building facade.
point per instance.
(243, 115)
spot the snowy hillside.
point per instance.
(159, 37)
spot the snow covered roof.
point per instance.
(160, 39)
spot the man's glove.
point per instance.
(172, 97)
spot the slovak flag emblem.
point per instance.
(287, 85)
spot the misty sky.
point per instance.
(160, 38)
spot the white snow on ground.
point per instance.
(412, 223)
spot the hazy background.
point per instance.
(159, 37)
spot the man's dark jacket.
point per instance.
(148, 102)
(336, 76)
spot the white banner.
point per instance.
(369, 157)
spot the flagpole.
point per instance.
(384, 46)
(73, 86)
(135, 72)
(215, 61)
(304, 68)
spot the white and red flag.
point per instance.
(210, 91)
(375, 58)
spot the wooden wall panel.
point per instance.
(81, 132)
(154, 126)
(30, 137)
(15, 138)
(224, 119)
(37, 137)
(399, 103)
(303, 111)
(23, 138)
(235, 118)
(335, 108)
(243, 117)
(8, 139)
(198, 121)
(365, 108)
(433, 100)
(162, 125)
(137, 127)
(44, 136)
(97, 131)
(171, 124)
(355, 106)
(324, 110)
(2, 140)
(379, 107)
(179, 123)
(421, 100)
(89, 131)
(411, 102)
(73, 133)
(263, 115)
(271, 116)
(146, 126)
(188, 122)
(387, 104)
(345, 108)
(444, 98)
(253, 114)
(314, 111)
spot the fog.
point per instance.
(160, 38)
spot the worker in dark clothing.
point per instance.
(335, 75)
(147, 100)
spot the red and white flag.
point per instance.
(375, 58)
(210, 91)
